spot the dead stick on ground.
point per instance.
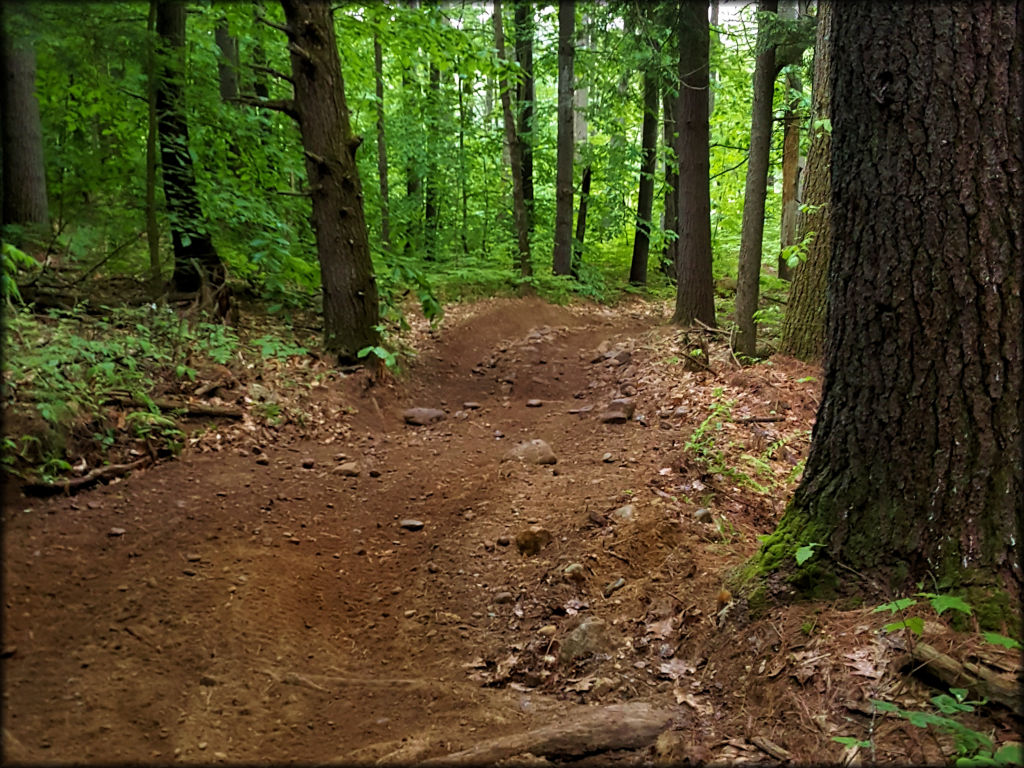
(601, 729)
(979, 681)
(78, 483)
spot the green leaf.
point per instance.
(1010, 754)
(897, 605)
(945, 602)
(851, 741)
(1005, 642)
(803, 554)
(914, 623)
(885, 706)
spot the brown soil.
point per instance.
(249, 603)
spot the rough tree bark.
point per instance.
(351, 311)
(382, 147)
(519, 212)
(152, 226)
(803, 327)
(791, 124)
(562, 261)
(695, 297)
(645, 194)
(755, 190)
(21, 133)
(228, 62)
(671, 212)
(525, 96)
(197, 267)
(431, 191)
(916, 469)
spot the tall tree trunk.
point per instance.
(519, 213)
(431, 192)
(755, 191)
(152, 227)
(645, 193)
(713, 76)
(916, 468)
(413, 172)
(197, 267)
(803, 327)
(465, 94)
(695, 292)
(228, 61)
(791, 122)
(670, 216)
(581, 224)
(351, 311)
(562, 261)
(382, 147)
(21, 133)
(525, 96)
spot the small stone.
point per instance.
(122, 588)
(607, 458)
(421, 417)
(411, 525)
(488, 545)
(702, 515)
(613, 587)
(262, 460)
(202, 745)
(308, 463)
(360, 550)
(192, 557)
(113, 532)
(624, 512)
(433, 568)
(347, 469)
(534, 403)
(374, 473)
(502, 598)
(409, 614)
(589, 637)
(575, 572)
(533, 539)
(220, 755)
(188, 572)
(618, 412)
(503, 541)
(208, 681)
(471, 406)
(534, 451)
(547, 630)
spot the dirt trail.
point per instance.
(252, 605)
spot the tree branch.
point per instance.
(271, 71)
(279, 105)
(274, 25)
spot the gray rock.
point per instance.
(614, 586)
(411, 525)
(347, 469)
(420, 417)
(607, 458)
(533, 539)
(308, 462)
(503, 598)
(618, 411)
(624, 512)
(574, 572)
(534, 403)
(534, 451)
(589, 637)
(503, 541)
(702, 515)
(471, 406)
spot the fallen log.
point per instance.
(975, 678)
(75, 484)
(187, 407)
(596, 729)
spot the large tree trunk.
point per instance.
(695, 297)
(581, 224)
(228, 61)
(152, 227)
(916, 469)
(382, 147)
(21, 133)
(645, 194)
(351, 311)
(525, 96)
(670, 216)
(431, 188)
(562, 261)
(197, 267)
(803, 327)
(755, 191)
(519, 212)
(791, 122)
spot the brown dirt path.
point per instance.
(236, 606)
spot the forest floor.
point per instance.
(347, 587)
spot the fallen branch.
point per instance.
(978, 680)
(759, 419)
(186, 407)
(75, 484)
(597, 729)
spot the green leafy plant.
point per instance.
(805, 553)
